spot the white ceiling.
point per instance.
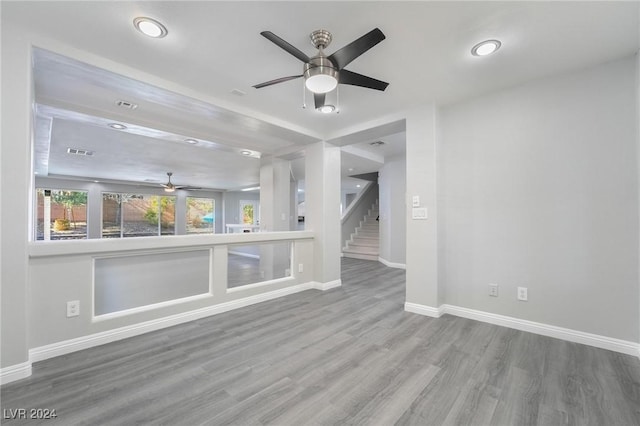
(215, 47)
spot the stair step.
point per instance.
(361, 256)
(374, 237)
(363, 243)
(369, 234)
(362, 251)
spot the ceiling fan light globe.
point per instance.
(326, 109)
(321, 83)
(169, 189)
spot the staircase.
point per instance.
(365, 242)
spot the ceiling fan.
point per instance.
(170, 187)
(323, 73)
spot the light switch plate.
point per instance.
(416, 201)
(419, 213)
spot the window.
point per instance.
(62, 214)
(137, 215)
(249, 212)
(201, 217)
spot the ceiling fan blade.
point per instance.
(355, 79)
(286, 46)
(319, 98)
(341, 58)
(276, 81)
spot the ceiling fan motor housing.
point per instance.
(320, 65)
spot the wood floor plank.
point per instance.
(347, 356)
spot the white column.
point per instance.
(322, 210)
(274, 213)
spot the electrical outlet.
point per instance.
(493, 290)
(73, 308)
(300, 267)
(523, 294)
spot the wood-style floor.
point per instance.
(350, 355)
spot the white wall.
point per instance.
(392, 182)
(52, 285)
(15, 171)
(638, 147)
(232, 204)
(539, 188)
(422, 286)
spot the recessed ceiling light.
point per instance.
(96, 181)
(350, 169)
(254, 188)
(191, 141)
(245, 152)
(486, 47)
(327, 109)
(357, 186)
(117, 126)
(150, 27)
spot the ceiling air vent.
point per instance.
(127, 104)
(377, 143)
(77, 151)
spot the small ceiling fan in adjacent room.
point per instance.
(170, 187)
(323, 73)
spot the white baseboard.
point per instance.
(598, 341)
(392, 264)
(15, 372)
(326, 286)
(422, 310)
(85, 342)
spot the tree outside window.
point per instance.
(65, 211)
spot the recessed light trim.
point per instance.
(150, 27)
(245, 152)
(117, 126)
(253, 188)
(486, 47)
(191, 141)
